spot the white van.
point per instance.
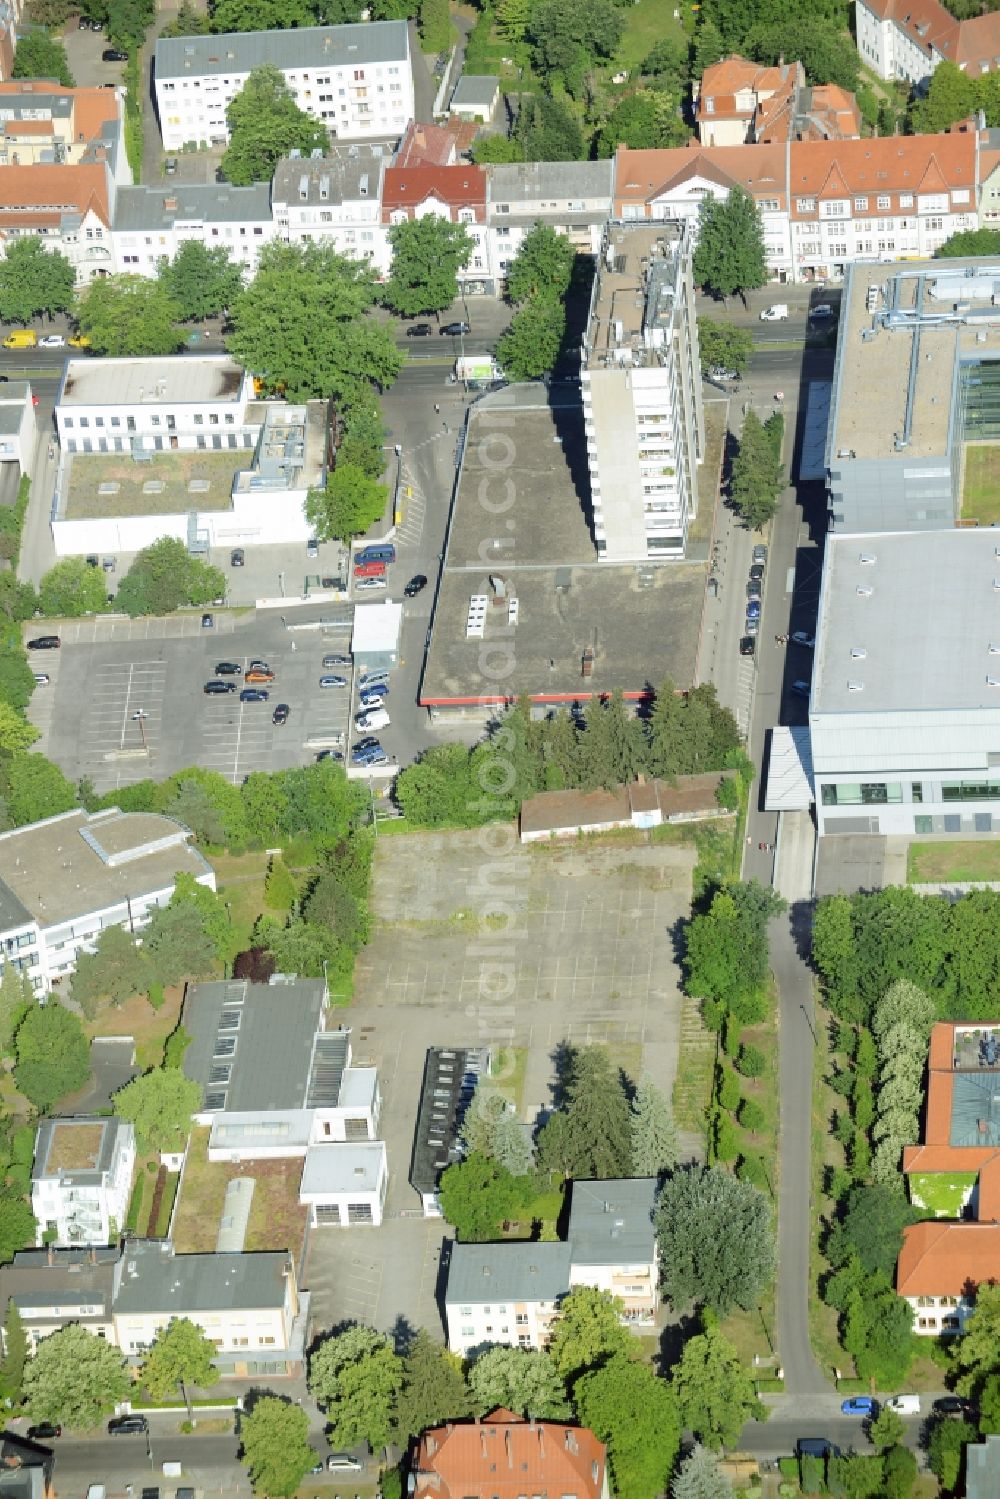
(775, 314)
(904, 1405)
(375, 718)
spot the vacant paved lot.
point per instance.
(125, 698)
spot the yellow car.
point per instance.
(79, 341)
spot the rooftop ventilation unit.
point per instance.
(993, 681)
(867, 559)
(864, 592)
(858, 652)
(855, 686)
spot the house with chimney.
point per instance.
(737, 102)
(504, 1456)
(456, 193)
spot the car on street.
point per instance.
(373, 697)
(800, 637)
(79, 341)
(455, 329)
(312, 547)
(216, 689)
(330, 661)
(822, 312)
(333, 681)
(237, 557)
(757, 571)
(342, 1462)
(280, 714)
(753, 608)
(752, 626)
(43, 1431)
(800, 688)
(748, 645)
(904, 1405)
(44, 643)
(114, 54)
(227, 668)
(368, 585)
(131, 1425)
(416, 585)
(52, 341)
(775, 314)
(859, 1405)
(759, 553)
(945, 1405)
(254, 695)
(419, 330)
(170, 165)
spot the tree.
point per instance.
(871, 1228)
(950, 97)
(129, 316)
(180, 1356)
(945, 1449)
(201, 282)
(159, 1104)
(18, 600)
(15, 1356)
(265, 124)
(427, 255)
(433, 1389)
(357, 1377)
(17, 1226)
(876, 1325)
(724, 345)
(974, 1354)
(496, 148)
(176, 944)
(40, 55)
(435, 25)
(116, 968)
(16, 996)
(190, 21)
(477, 1195)
(970, 242)
(613, 749)
(350, 503)
(826, 53)
(709, 47)
(904, 1004)
(274, 1436)
(15, 731)
(164, 576)
(588, 1332)
(491, 1128)
(670, 56)
(302, 947)
(887, 1429)
(363, 435)
(301, 325)
(568, 37)
(756, 476)
(546, 130)
(634, 1412)
(727, 955)
(262, 15)
(700, 1477)
(642, 121)
(542, 267)
(714, 1390)
(74, 1378)
(899, 1472)
(33, 788)
(530, 344)
(654, 1134)
(71, 588)
(524, 1380)
(716, 1240)
(730, 257)
(34, 281)
(53, 1058)
(594, 1134)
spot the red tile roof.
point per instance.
(942, 1258)
(641, 176)
(36, 196)
(973, 44)
(426, 145)
(456, 187)
(503, 1457)
(988, 1206)
(92, 107)
(910, 164)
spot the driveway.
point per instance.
(112, 1059)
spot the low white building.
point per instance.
(476, 97)
(356, 79)
(344, 1185)
(375, 641)
(18, 430)
(81, 1179)
(154, 405)
(67, 879)
(150, 224)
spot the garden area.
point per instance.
(958, 861)
(277, 1220)
(981, 488)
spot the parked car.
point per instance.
(748, 645)
(859, 1405)
(237, 557)
(216, 689)
(456, 328)
(79, 341)
(41, 678)
(379, 551)
(752, 626)
(369, 585)
(120, 1426)
(822, 312)
(372, 754)
(258, 674)
(257, 665)
(754, 589)
(342, 1462)
(416, 585)
(419, 330)
(280, 714)
(369, 570)
(373, 679)
(114, 54)
(719, 372)
(373, 718)
(227, 668)
(373, 697)
(328, 755)
(254, 695)
(799, 637)
(800, 688)
(945, 1405)
(904, 1405)
(52, 341)
(759, 553)
(43, 1431)
(329, 661)
(208, 622)
(170, 165)
(367, 743)
(44, 643)
(753, 608)
(775, 314)
(757, 571)
(333, 681)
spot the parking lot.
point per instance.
(125, 698)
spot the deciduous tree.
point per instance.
(15, 731)
(357, 1378)
(15, 1355)
(569, 36)
(38, 54)
(117, 968)
(714, 1390)
(72, 587)
(274, 1436)
(180, 1358)
(644, 120)
(265, 124)
(201, 282)
(524, 1380)
(34, 281)
(529, 346)
(542, 267)
(53, 1058)
(716, 1240)
(427, 255)
(74, 1378)
(478, 1195)
(34, 788)
(164, 576)
(347, 506)
(129, 316)
(730, 257)
(159, 1104)
(724, 345)
(588, 1332)
(634, 1413)
(433, 1389)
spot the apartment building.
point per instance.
(641, 378)
(334, 199)
(43, 123)
(356, 79)
(54, 1287)
(456, 193)
(908, 39)
(150, 224)
(572, 197)
(18, 428)
(81, 1180)
(65, 880)
(738, 102)
(67, 208)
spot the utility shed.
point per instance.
(375, 642)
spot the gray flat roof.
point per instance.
(133, 382)
(611, 1222)
(508, 1272)
(475, 89)
(342, 1167)
(74, 1278)
(369, 42)
(155, 1279)
(451, 1075)
(640, 622)
(148, 208)
(252, 1044)
(924, 615)
(57, 870)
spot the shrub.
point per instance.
(156, 996)
(751, 1116)
(751, 1169)
(731, 1035)
(727, 1090)
(750, 1062)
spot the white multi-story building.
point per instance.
(151, 224)
(334, 199)
(572, 197)
(18, 429)
(81, 1180)
(357, 80)
(155, 405)
(908, 39)
(66, 880)
(641, 378)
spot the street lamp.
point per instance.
(139, 716)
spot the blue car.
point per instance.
(859, 1405)
(753, 609)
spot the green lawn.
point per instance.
(508, 1073)
(981, 491)
(942, 1193)
(645, 24)
(966, 859)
